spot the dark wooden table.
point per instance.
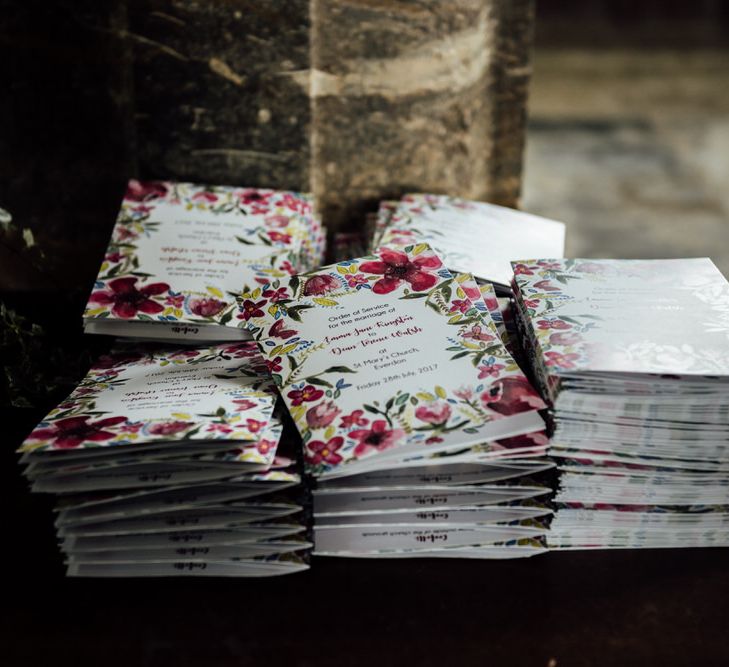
(667, 607)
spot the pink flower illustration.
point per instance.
(531, 303)
(561, 360)
(131, 427)
(553, 323)
(145, 190)
(126, 300)
(278, 331)
(324, 452)
(545, 264)
(437, 412)
(460, 306)
(569, 338)
(294, 203)
(175, 300)
(288, 267)
(125, 234)
(251, 309)
(492, 304)
(169, 428)
(322, 415)
(264, 446)
(378, 437)
(489, 370)
(512, 395)
(306, 395)
(473, 293)
(354, 281)
(477, 332)
(546, 286)
(275, 295)
(114, 257)
(206, 307)
(464, 393)
(274, 365)
(208, 197)
(71, 432)
(523, 269)
(243, 404)
(318, 285)
(187, 354)
(395, 266)
(356, 418)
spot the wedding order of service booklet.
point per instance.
(385, 362)
(181, 253)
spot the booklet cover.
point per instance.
(135, 397)
(180, 253)
(659, 316)
(470, 236)
(385, 356)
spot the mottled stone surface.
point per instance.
(214, 98)
(356, 100)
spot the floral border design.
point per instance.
(332, 438)
(290, 237)
(243, 414)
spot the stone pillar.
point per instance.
(355, 100)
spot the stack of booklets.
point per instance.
(181, 254)
(421, 431)
(471, 237)
(633, 356)
(166, 461)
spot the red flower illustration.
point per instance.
(265, 446)
(71, 432)
(489, 370)
(492, 304)
(275, 295)
(512, 395)
(254, 425)
(522, 269)
(294, 203)
(434, 413)
(318, 285)
(278, 237)
(460, 306)
(126, 300)
(206, 307)
(253, 196)
(354, 419)
(145, 190)
(354, 281)
(473, 293)
(561, 360)
(277, 331)
(169, 428)
(114, 257)
(553, 323)
(307, 394)
(379, 437)
(322, 415)
(219, 428)
(531, 303)
(251, 309)
(395, 266)
(273, 365)
(318, 451)
(242, 350)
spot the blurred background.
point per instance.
(628, 135)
